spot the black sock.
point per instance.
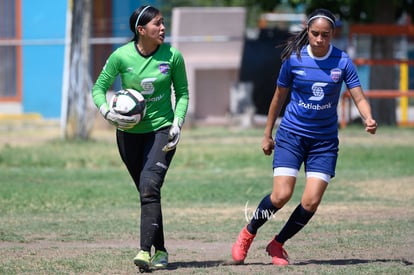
(299, 218)
(264, 211)
(150, 224)
(159, 236)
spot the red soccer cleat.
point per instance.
(278, 253)
(242, 245)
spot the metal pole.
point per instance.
(404, 89)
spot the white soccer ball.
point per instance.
(128, 102)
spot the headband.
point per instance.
(322, 16)
(139, 16)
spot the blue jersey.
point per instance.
(315, 86)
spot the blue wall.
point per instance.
(43, 65)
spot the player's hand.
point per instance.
(173, 135)
(120, 121)
(370, 126)
(267, 145)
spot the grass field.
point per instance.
(71, 208)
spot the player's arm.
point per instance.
(104, 81)
(99, 90)
(357, 94)
(276, 105)
(180, 84)
(364, 109)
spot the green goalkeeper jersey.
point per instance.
(155, 76)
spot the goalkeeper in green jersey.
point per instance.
(153, 68)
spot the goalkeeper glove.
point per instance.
(173, 135)
(120, 121)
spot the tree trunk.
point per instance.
(80, 110)
(383, 77)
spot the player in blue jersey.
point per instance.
(312, 71)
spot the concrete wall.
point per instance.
(211, 41)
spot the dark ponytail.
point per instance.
(295, 44)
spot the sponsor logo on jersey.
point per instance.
(317, 90)
(336, 74)
(148, 86)
(164, 68)
(318, 107)
(155, 99)
(148, 89)
(318, 95)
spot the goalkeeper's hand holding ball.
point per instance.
(120, 121)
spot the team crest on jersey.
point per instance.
(336, 74)
(164, 68)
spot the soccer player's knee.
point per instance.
(150, 187)
(310, 205)
(280, 199)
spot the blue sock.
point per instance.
(299, 218)
(264, 211)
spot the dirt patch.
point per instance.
(401, 189)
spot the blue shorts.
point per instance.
(291, 150)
